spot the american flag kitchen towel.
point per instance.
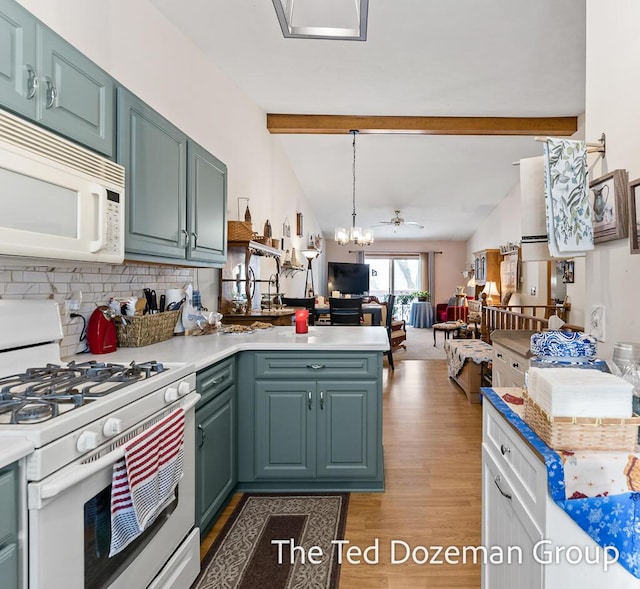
(144, 481)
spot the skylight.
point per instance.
(323, 19)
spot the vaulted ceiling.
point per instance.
(422, 58)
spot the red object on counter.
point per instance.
(101, 332)
(302, 320)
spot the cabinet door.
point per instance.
(285, 429)
(76, 97)
(347, 417)
(18, 74)
(507, 530)
(207, 206)
(215, 456)
(154, 153)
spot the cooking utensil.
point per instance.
(163, 303)
(175, 305)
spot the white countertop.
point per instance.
(14, 449)
(204, 350)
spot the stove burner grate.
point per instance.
(45, 392)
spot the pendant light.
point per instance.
(355, 235)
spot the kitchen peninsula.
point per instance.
(280, 411)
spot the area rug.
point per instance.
(244, 557)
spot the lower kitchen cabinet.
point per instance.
(310, 421)
(9, 569)
(216, 449)
(315, 429)
(510, 357)
(531, 542)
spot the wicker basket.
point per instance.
(143, 330)
(239, 230)
(581, 433)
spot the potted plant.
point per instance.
(422, 295)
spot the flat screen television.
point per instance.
(348, 278)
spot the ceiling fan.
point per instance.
(398, 221)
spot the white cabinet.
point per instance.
(509, 367)
(518, 513)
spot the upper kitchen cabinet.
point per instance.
(49, 81)
(206, 206)
(176, 190)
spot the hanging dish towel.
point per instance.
(568, 210)
(144, 481)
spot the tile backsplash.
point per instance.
(97, 283)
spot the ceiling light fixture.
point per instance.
(355, 235)
(323, 19)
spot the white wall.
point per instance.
(612, 107)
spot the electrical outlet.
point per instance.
(597, 322)
(533, 291)
(73, 302)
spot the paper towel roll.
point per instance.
(174, 295)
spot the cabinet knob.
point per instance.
(515, 364)
(309, 397)
(504, 449)
(321, 399)
(184, 234)
(498, 354)
(51, 93)
(315, 366)
(32, 81)
(194, 235)
(203, 435)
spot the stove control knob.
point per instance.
(183, 388)
(88, 440)
(171, 395)
(112, 427)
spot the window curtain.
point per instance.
(428, 271)
(360, 257)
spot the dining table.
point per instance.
(373, 309)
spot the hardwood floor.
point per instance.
(432, 445)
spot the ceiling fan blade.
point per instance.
(420, 225)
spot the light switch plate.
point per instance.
(533, 291)
(597, 322)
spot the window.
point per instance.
(396, 274)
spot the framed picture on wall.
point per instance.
(609, 206)
(299, 228)
(634, 220)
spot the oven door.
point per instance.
(70, 524)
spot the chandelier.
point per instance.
(355, 235)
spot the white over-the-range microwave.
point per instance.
(58, 200)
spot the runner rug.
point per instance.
(244, 556)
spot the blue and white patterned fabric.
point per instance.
(564, 344)
(460, 350)
(568, 210)
(610, 520)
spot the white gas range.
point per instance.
(78, 416)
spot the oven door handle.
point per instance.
(76, 473)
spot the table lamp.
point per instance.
(491, 290)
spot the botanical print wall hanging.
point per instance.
(609, 204)
(568, 210)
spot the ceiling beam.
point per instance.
(338, 124)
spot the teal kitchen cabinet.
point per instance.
(216, 446)
(49, 81)
(315, 429)
(9, 571)
(176, 190)
(310, 421)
